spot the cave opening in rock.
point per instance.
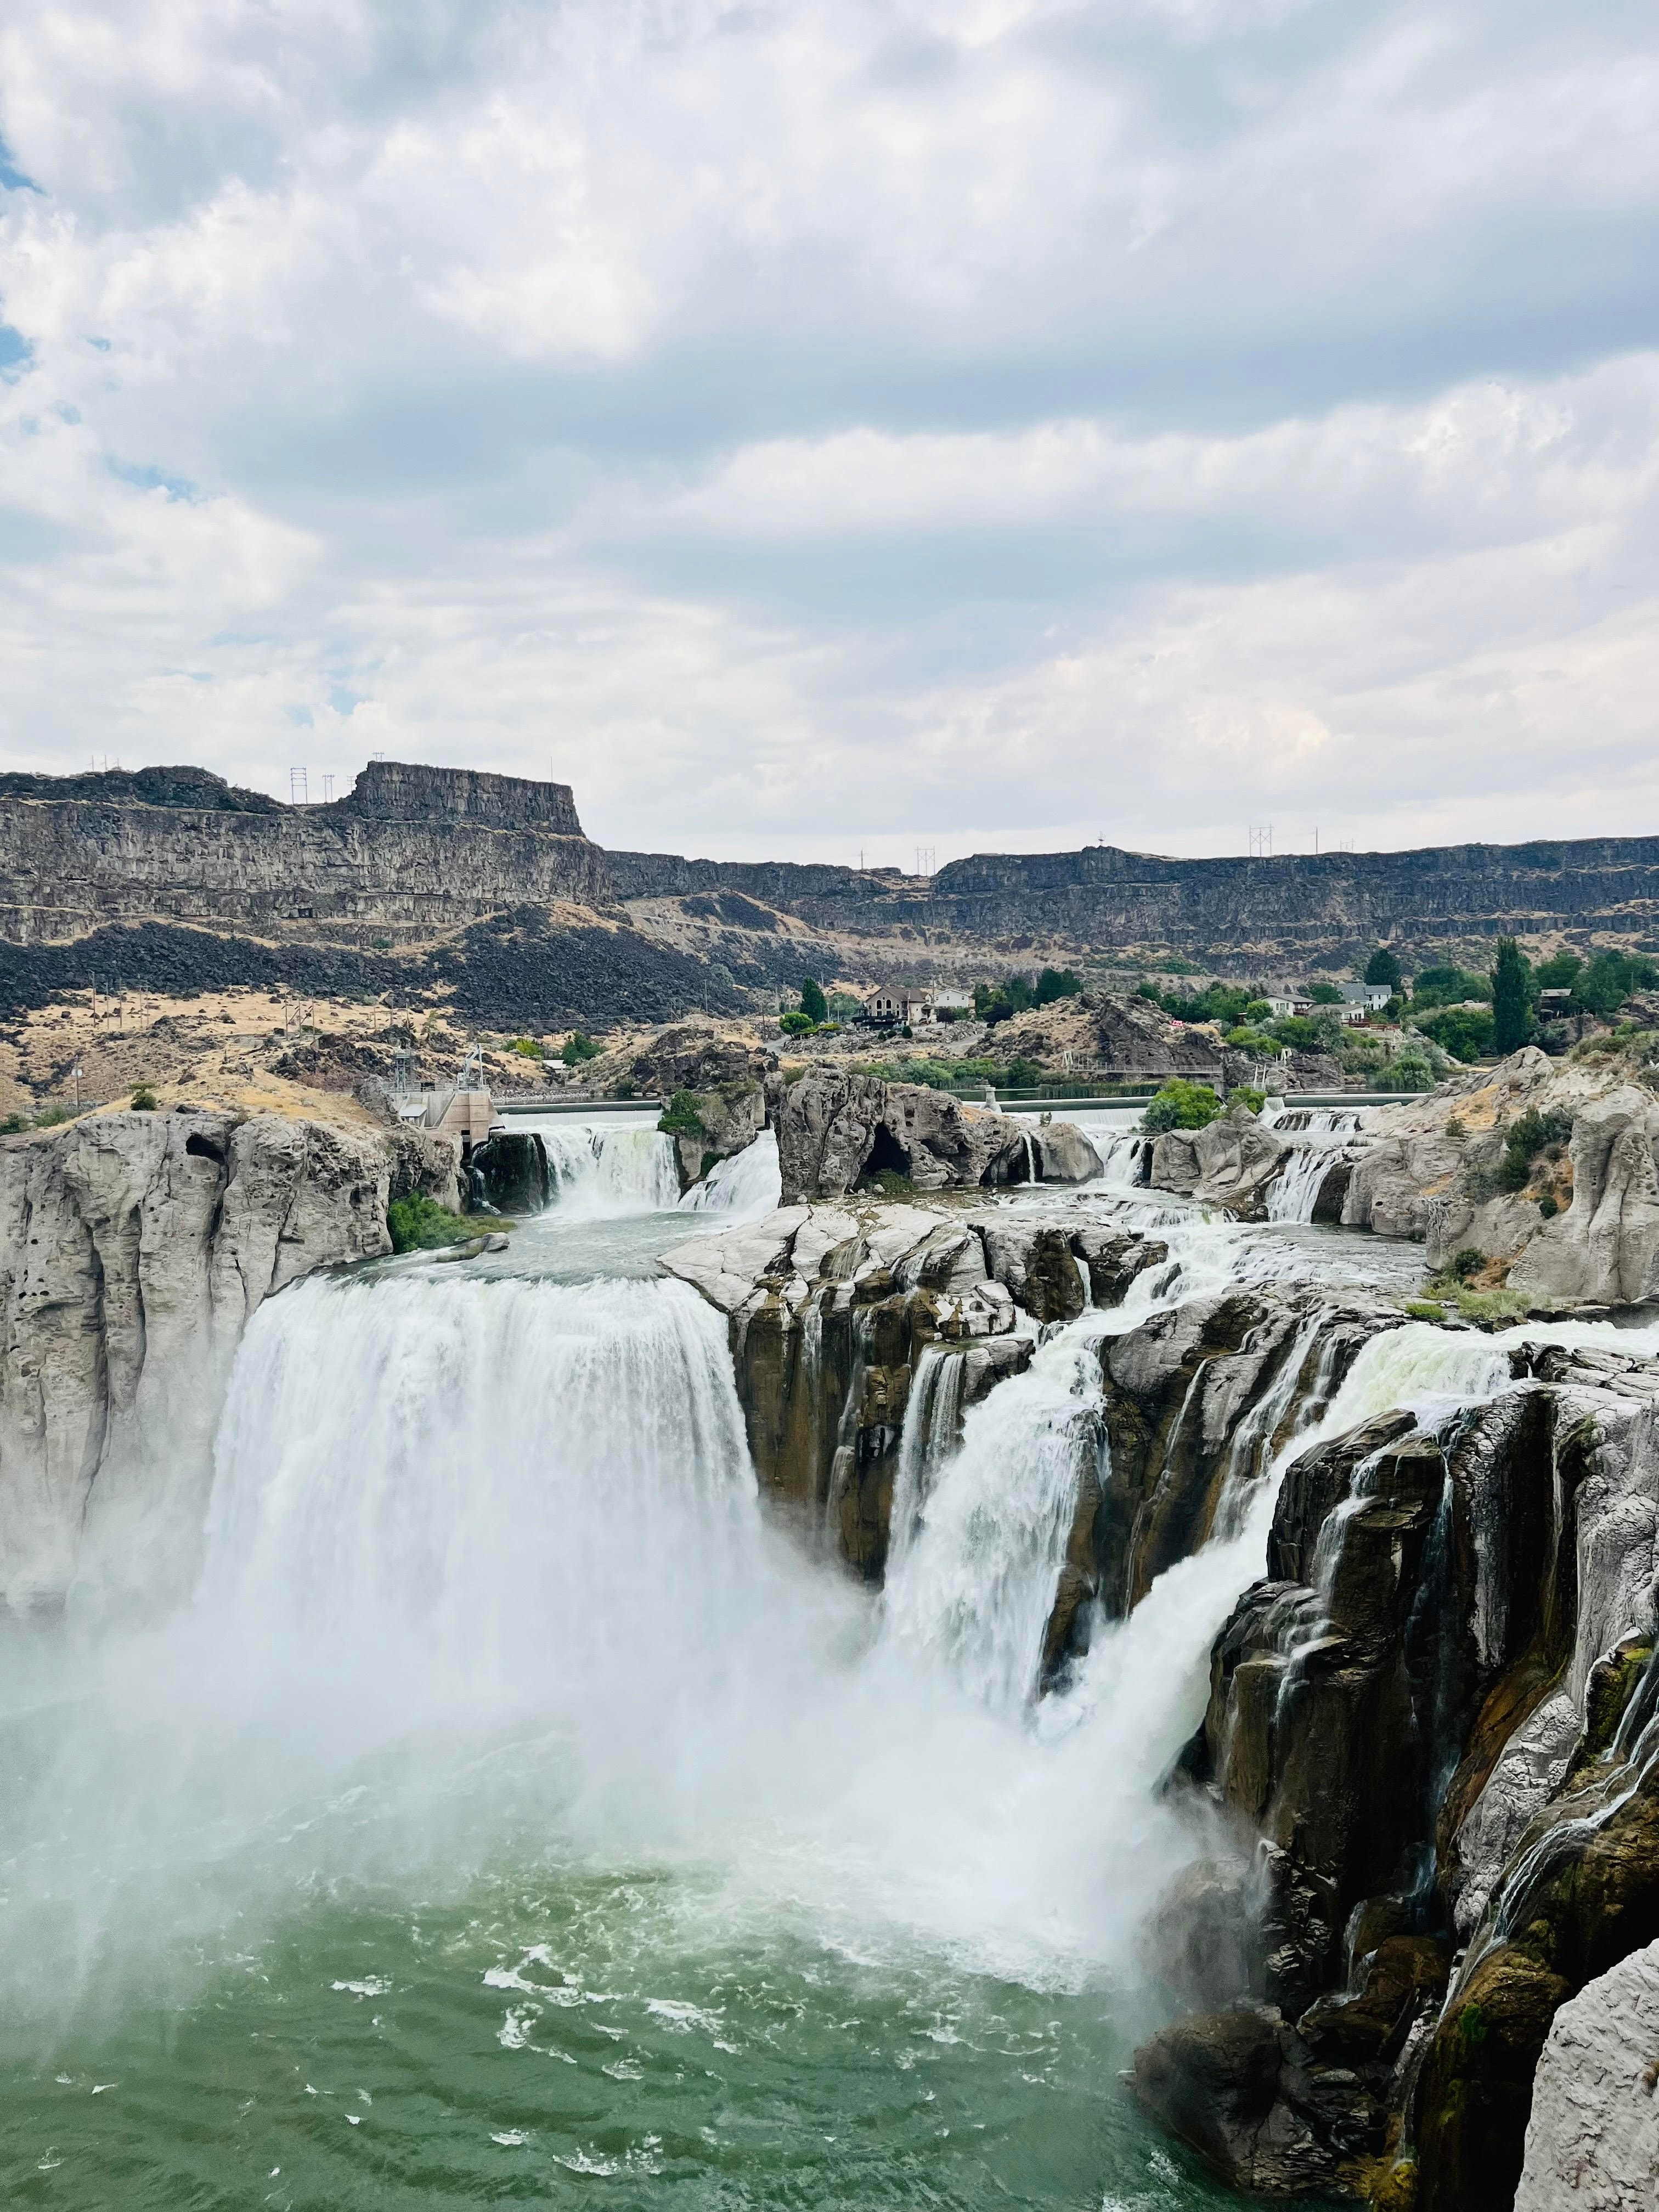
(886, 1155)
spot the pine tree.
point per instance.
(813, 1003)
(1512, 1004)
(1383, 967)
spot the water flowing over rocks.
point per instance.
(835, 1128)
(1434, 1727)
(134, 1249)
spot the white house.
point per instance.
(1283, 1008)
(1370, 997)
(953, 1002)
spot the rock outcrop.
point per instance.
(1592, 2133)
(1230, 1163)
(836, 1129)
(1432, 1728)
(832, 1309)
(134, 1249)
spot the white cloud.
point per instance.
(836, 419)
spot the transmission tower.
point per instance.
(297, 793)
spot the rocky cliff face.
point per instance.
(1432, 1731)
(415, 851)
(835, 1128)
(832, 1310)
(412, 853)
(134, 1249)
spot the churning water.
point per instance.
(514, 1817)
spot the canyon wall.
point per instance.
(410, 853)
(413, 851)
(134, 1249)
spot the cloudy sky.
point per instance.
(812, 426)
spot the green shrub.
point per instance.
(577, 1049)
(1490, 1305)
(682, 1118)
(528, 1047)
(420, 1225)
(1465, 1032)
(1409, 1070)
(626, 1089)
(1254, 1099)
(1023, 1075)
(13, 1125)
(794, 1024)
(813, 1004)
(1246, 1039)
(1448, 987)
(1547, 1205)
(1178, 1104)
(892, 1184)
(1531, 1134)
(143, 1099)
(1425, 1309)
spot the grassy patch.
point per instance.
(420, 1225)
(1425, 1309)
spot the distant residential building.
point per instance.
(953, 1002)
(900, 1002)
(1370, 997)
(1552, 1004)
(1282, 1008)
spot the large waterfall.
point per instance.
(514, 1791)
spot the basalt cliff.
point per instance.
(121, 879)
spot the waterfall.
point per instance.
(931, 1430)
(607, 1170)
(468, 1487)
(973, 1589)
(1318, 1135)
(747, 1186)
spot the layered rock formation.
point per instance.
(134, 1249)
(833, 1309)
(835, 1129)
(1432, 1728)
(410, 853)
(1593, 2135)
(419, 851)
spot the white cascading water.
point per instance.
(611, 1172)
(1316, 1135)
(606, 1171)
(745, 1186)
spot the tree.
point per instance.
(794, 1024)
(1179, 1105)
(1325, 994)
(1383, 967)
(1511, 999)
(813, 1004)
(1463, 1031)
(1057, 983)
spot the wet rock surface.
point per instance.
(1434, 1732)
